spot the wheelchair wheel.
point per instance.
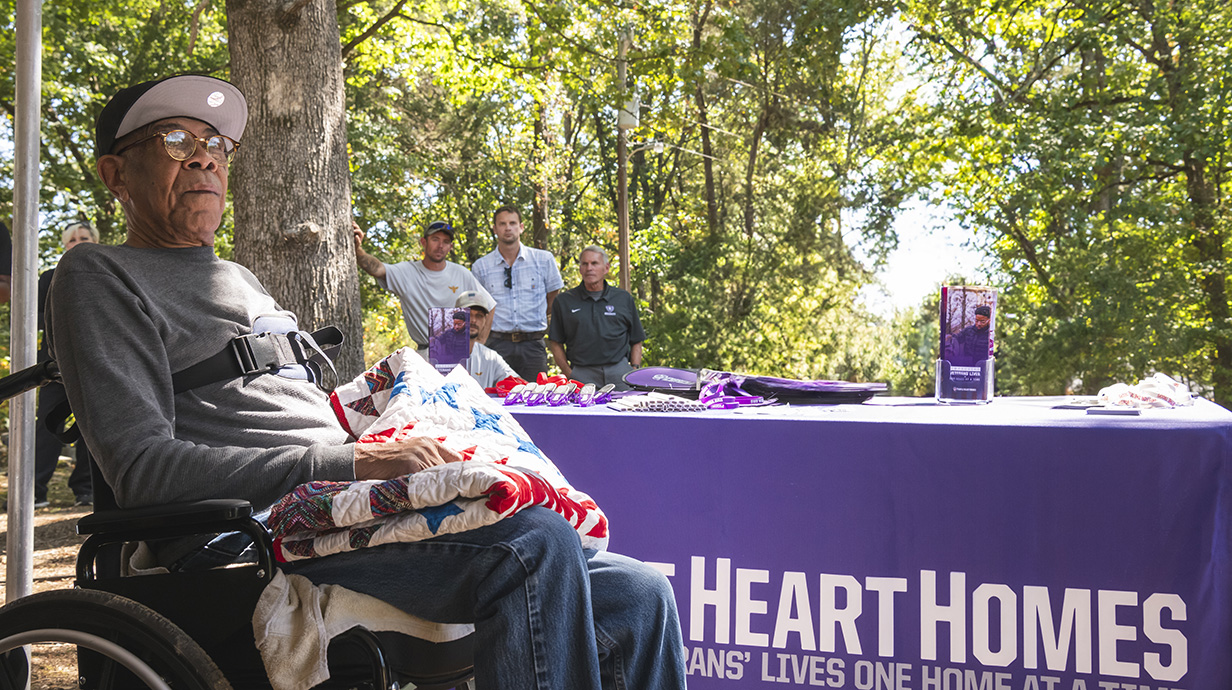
(119, 644)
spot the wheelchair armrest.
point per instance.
(212, 516)
(181, 518)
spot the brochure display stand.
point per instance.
(450, 344)
(965, 367)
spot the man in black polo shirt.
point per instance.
(595, 335)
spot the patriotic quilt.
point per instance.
(502, 471)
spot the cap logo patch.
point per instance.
(215, 99)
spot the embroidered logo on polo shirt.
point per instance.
(453, 288)
(611, 310)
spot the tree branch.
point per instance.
(1010, 226)
(1038, 72)
(555, 30)
(1096, 102)
(555, 66)
(376, 26)
(66, 137)
(962, 57)
(194, 26)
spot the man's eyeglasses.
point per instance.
(440, 226)
(181, 145)
(508, 276)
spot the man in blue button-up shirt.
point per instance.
(524, 281)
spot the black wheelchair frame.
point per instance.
(170, 630)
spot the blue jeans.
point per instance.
(547, 613)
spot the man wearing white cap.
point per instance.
(485, 364)
(546, 613)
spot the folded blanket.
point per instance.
(503, 472)
(323, 518)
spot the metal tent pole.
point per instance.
(19, 571)
(622, 158)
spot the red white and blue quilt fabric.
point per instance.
(502, 471)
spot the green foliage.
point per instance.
(90, 51)
(1090, 143)
(384, 330)
(911, 369)
(1084, 145)
(742, 228)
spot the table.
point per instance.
(900, 544)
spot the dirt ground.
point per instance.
(55, 554)
(55, 536)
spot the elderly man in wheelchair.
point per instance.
(146, 334)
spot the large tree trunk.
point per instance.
(290, 181)
(703, 119)
(1208, 240)
(1174, 55)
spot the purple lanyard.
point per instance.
(723, 392)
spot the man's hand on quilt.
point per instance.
(396, 458)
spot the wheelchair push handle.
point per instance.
(29, 378)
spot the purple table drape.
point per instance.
(899, 544)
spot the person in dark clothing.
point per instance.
(47, 445)
(6, 263)
(596, 335)
(452, 345)
(969, 346)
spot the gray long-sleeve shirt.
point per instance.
(122, 320)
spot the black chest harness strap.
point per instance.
(244, 355)
(265, 353)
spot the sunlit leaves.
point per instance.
(1093, 141)
(789, 137)
(91, 49)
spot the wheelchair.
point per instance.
(188, 630)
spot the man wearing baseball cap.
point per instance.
(485, 364)
(163, 302)
(421, 285)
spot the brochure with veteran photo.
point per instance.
(965, 366)
(450, 343)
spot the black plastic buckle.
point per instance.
(256, 353)
(318, 363)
